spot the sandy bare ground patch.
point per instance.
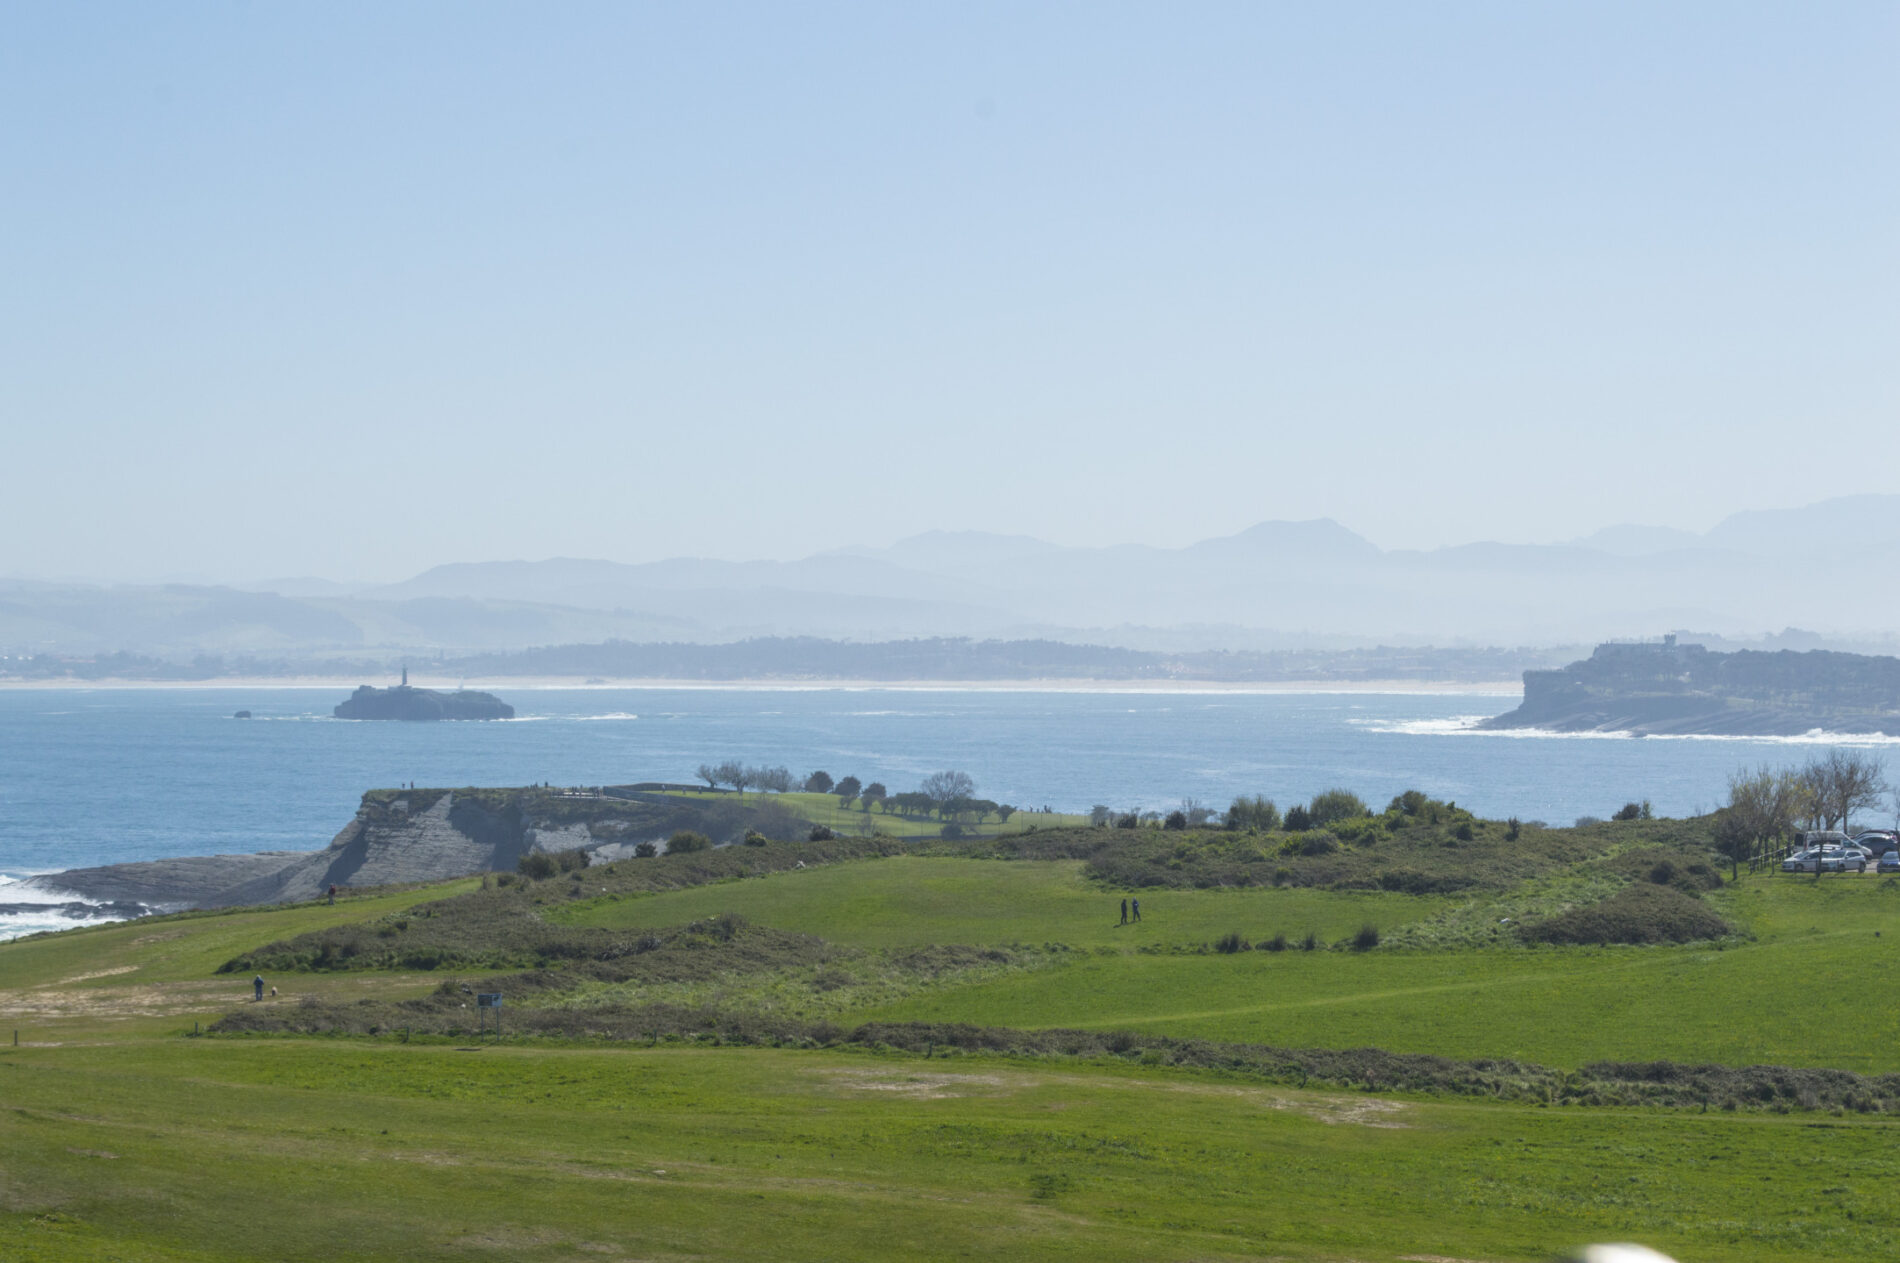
(1360, 1111)
(921, 1086)
(102, 973)
(152, 999)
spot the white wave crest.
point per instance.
(20, 888)
(1467, 726)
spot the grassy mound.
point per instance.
(1641, 913)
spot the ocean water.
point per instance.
(98, 776)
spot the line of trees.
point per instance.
(950, 796)
(1766, 804)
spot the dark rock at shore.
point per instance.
(1672, 689)
(116, 910)
(404, 702)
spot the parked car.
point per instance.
(1829, 859)
(1889, 863)
(1877, 841)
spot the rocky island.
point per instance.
(404, 702)
(1672, 689)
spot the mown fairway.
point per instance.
(907, 901)
(296, 1149)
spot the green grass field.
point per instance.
(911, 900)
(123, 1138)
(294, 1149)
(855, 821)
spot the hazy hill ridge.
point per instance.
(1277, 584)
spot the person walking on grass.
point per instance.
(1137, 909)
(1124, 912)
(257, 987)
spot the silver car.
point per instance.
(1829, 859)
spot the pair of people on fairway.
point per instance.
(1137, 905)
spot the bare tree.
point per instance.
(1844, 782)
(734, 773)
(773, 780)
(1196, 812)
(1762, 807)
(942, 787)
(710, 774)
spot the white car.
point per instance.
(1829, 859)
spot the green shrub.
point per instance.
(1256, 813)
(819, 833)
(1334, 804)
(1641, 913)
(645, 851)
(685, 842)
(1367, 938)
(1309, 941)
(1228, 944)
(754, 838)
(537, 866)
(1275, 944)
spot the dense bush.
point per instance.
(1176, 820)
(754, 838)
(1255, 813)
(1641, 913)
(685, 842)
(819, 833)
(1298, 819)
(1367, 938)
(1334, 804)
(1228, 944)
(541, 865)
(645, 851)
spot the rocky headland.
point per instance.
(1671, 689)
(421, 835)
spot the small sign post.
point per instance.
(483, 1003)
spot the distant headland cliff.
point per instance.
(403, 702)
(1652, 689)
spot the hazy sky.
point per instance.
(354, 290)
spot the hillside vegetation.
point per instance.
(864, 1048)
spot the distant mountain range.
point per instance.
(1277, 585)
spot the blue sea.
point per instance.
(98, 776)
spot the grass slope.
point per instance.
(1813, 988)
(214, 1150)
(915, 900)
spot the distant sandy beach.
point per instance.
(500, 684)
